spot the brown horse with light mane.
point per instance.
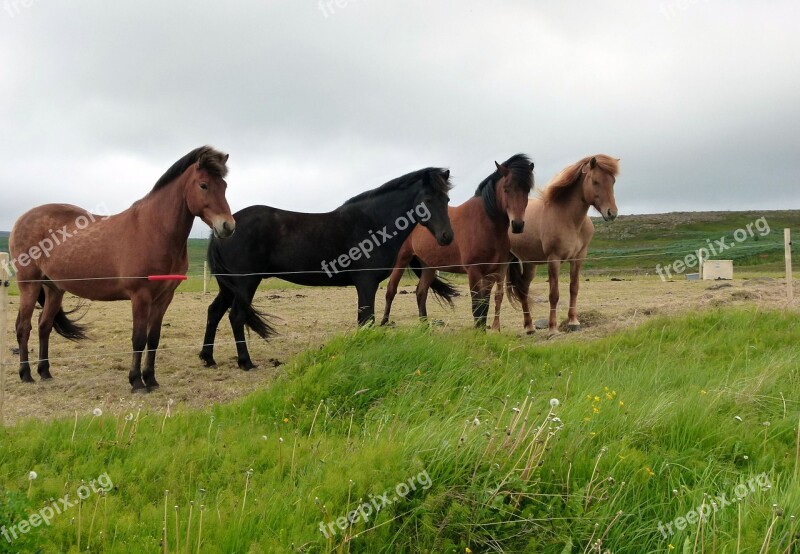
(558, 229)
(110, 258)
(480, 246)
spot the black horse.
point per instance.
(356, 244)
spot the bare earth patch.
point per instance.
(94, 373)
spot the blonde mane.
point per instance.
(563, 181)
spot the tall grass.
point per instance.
(648, 425)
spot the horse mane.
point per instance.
(563, 181)
(213, 161)
(520, 166)
(441, 185)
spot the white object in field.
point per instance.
(699, 265)
(692, 276)
(717, 269)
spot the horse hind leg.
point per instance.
(28, 293)
(52, 304)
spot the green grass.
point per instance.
(675, 405)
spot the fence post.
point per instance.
(205, 277)
(787, 239)
(700, 263)
(4, 258)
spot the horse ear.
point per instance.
(593, 162)
(446, 174)
(531, 166)
(502, 169)
(225, 159)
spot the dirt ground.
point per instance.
(94, 373)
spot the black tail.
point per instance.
(442, 290)
(63, 325)
(254, 320)
(515, 282)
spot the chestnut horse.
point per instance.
(110, 258)
(558, 229)
(481, 246)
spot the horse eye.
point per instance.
(597, 183)
(204, 186)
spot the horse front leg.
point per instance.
(216, 311)
(366, 302)
(480, 289)
(528, 272)
(553, 267)
(423, 286)
(141, 314)
(498, 299)
(391, 292)
(574, 284)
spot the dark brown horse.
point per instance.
(58, 248)
(558, 228)
(481, 246)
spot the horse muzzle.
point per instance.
(224, 229)
(517, 225)
(609, 215)
(444, 238)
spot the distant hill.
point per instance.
(636, 243)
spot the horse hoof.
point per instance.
(26, 378)
(208, 360)
(45, 375)
(138, 388)
(553, 333)
(154, 386)
(247, 366)
(530, 331)
(572, 327)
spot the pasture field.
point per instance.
(676, 398)
(672, 391)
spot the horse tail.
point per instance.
(63, 325)
(443, 291)
(515, 281)
(255, 320)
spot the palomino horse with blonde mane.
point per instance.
(558, 229)
(480, 247)
(111, 258)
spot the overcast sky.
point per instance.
(316, 102)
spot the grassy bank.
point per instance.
(647, 423)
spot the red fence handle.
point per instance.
(166, 277)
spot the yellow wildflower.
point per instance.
(286, 420)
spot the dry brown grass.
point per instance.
(94, 373)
